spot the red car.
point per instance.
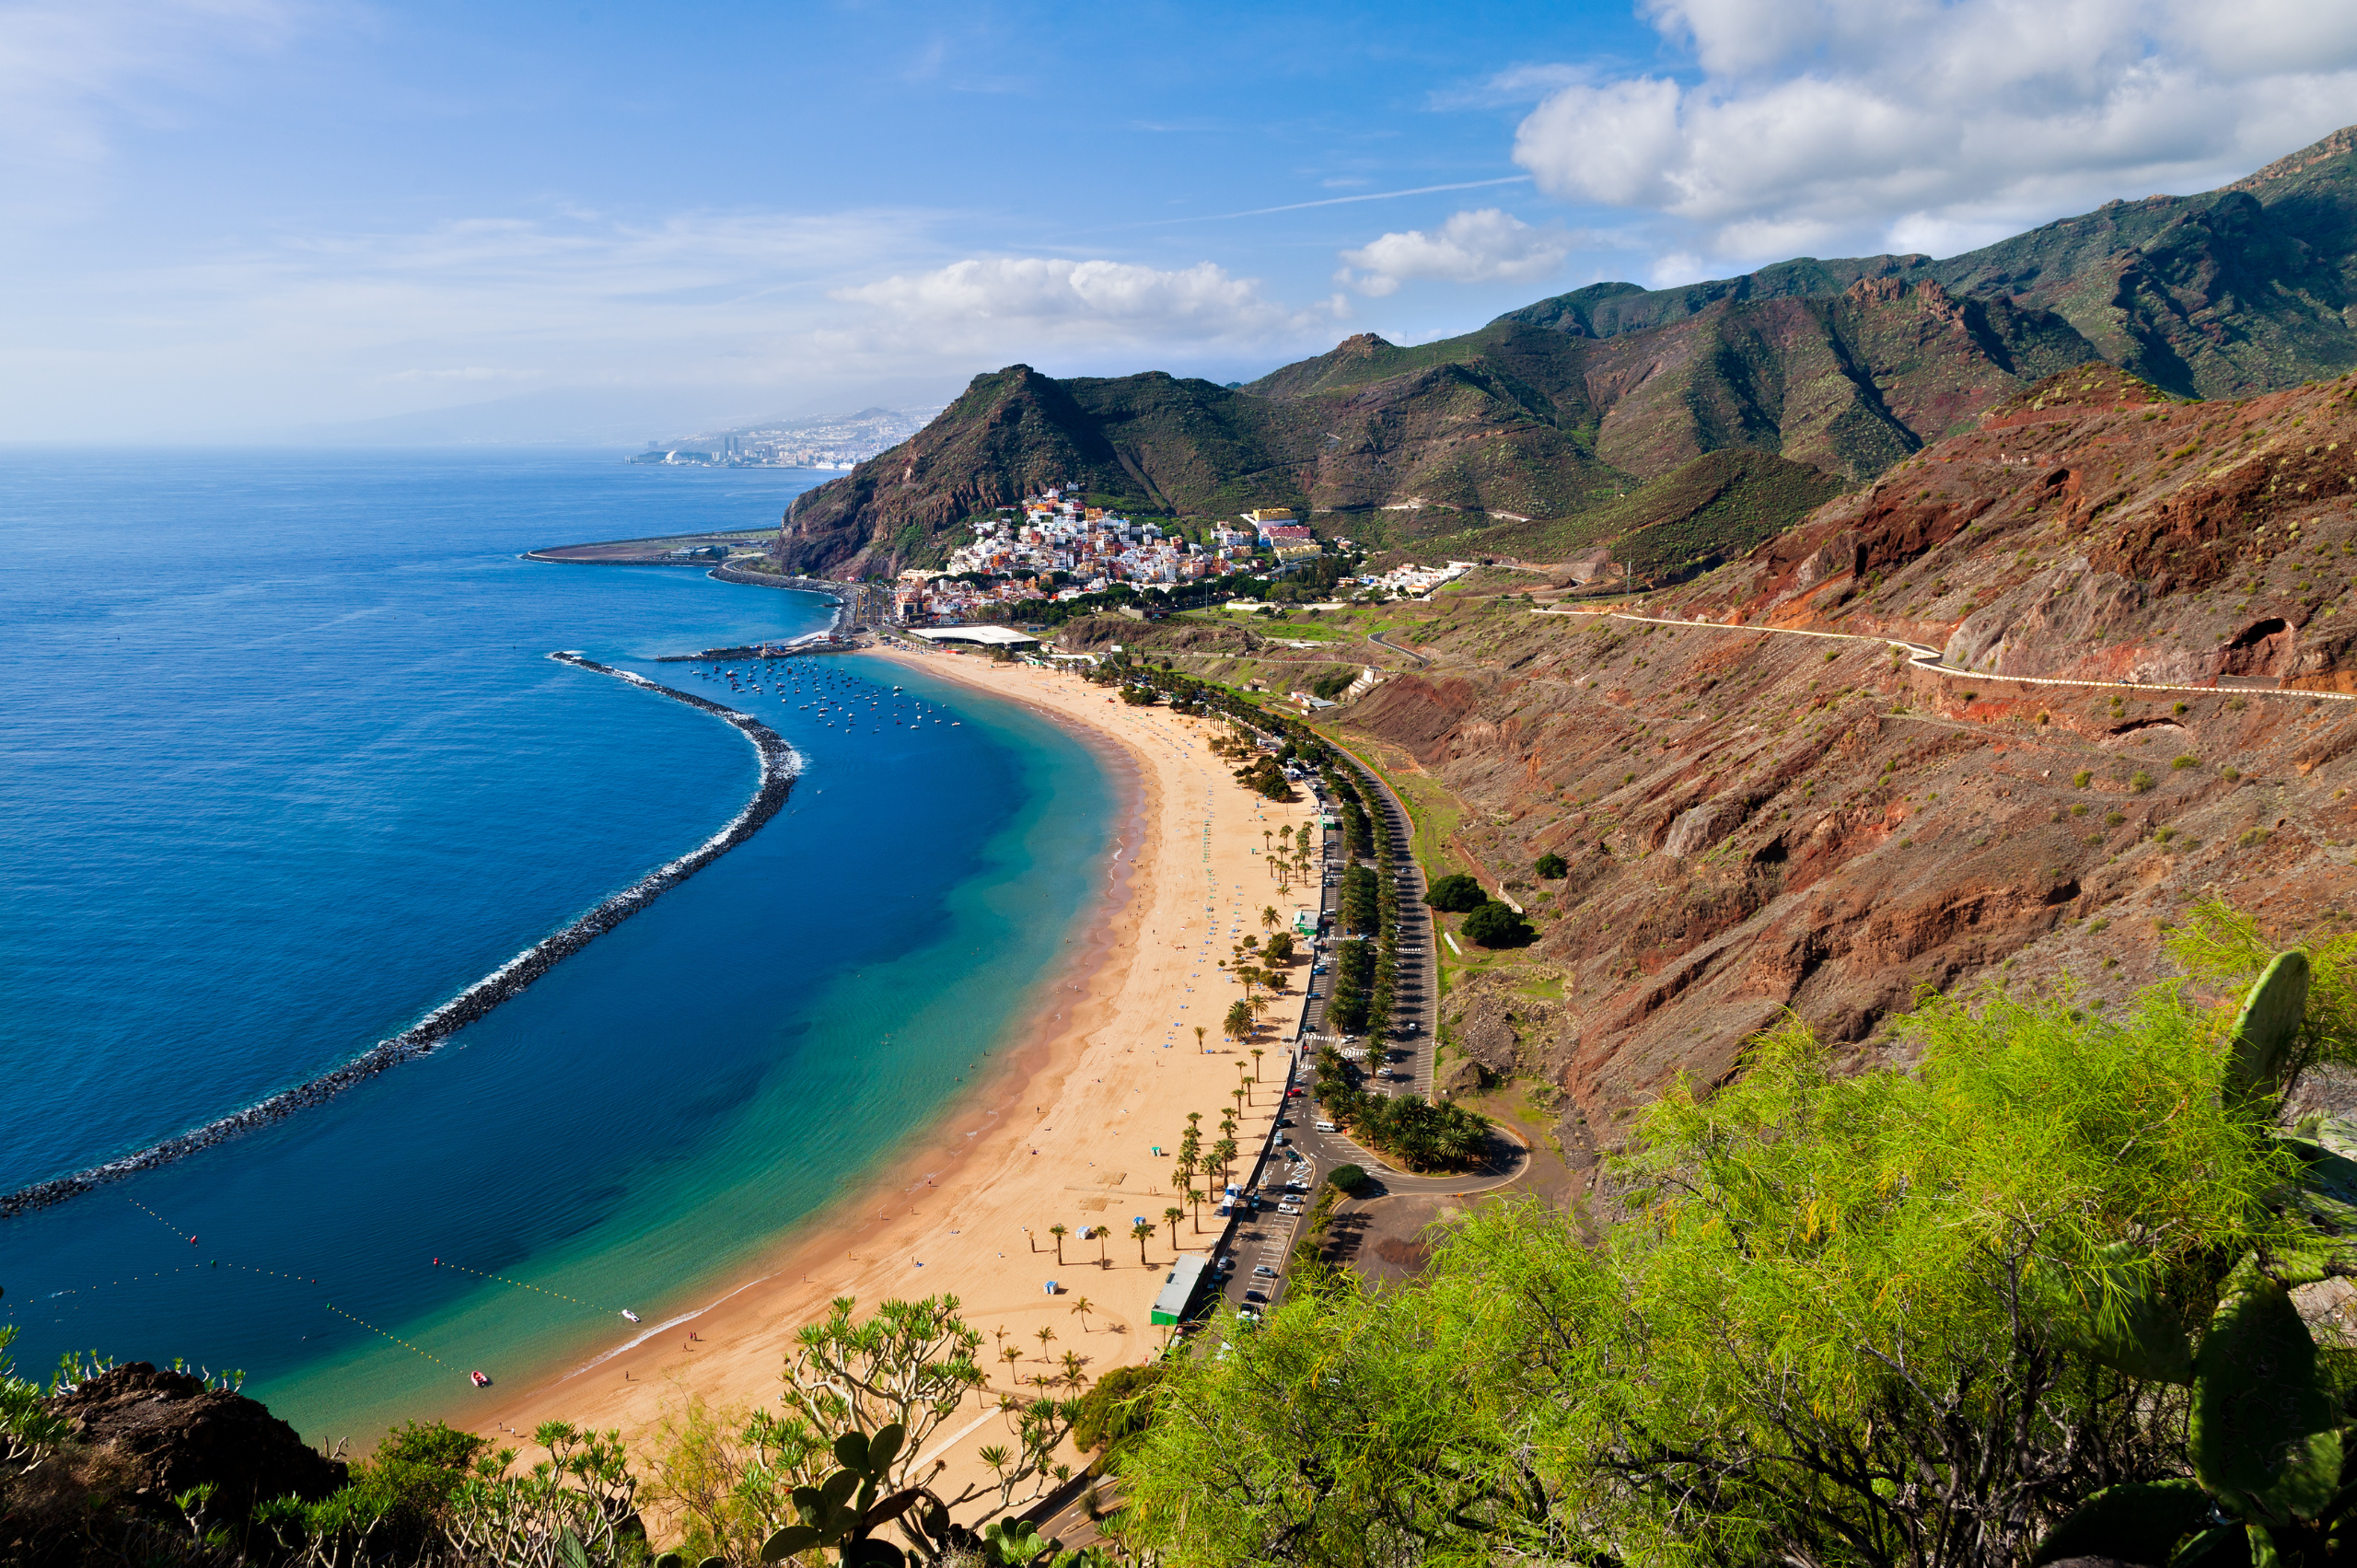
(1293, 1094)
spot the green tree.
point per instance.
(1059, 1232)
(1142, 1232)
(1551, 866)
(1456, 893)
(1495, 924)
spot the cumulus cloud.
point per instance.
(1485, 245)
(1845, 124)
(999, 304)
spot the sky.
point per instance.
(242, 220)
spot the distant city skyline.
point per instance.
(423, 221)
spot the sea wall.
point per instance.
(780, 766)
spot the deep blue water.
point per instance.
(287, 766)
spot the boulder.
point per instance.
(1464, 1075)
(168, 1432)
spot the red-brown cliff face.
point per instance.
(1757, 821)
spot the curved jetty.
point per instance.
(780, 764)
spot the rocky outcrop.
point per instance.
(164, 1433)
(1757, 826)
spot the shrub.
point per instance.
(1117, 1411)
(2081, 779)
(2187, 762)
(1551, 866)
(1349, 1177)
(1495, 924)
(1456, 893)
(2139, 781)
(1934, 1275)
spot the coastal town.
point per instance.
(1053, 547)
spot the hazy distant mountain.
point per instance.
(628, 418)
(830, 441)
(1590, 399)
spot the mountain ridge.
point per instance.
(1572, 403)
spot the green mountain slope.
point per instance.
(1583, 401)
(2234, 291)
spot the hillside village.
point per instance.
(1055, 546)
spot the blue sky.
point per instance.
(236, 218)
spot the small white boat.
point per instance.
(479, 1379)
(629, 1314)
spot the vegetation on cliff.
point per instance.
(1889, 1318)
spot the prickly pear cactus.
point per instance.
(2265, 1431)
(2266, 1030)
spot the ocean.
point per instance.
(287, 766)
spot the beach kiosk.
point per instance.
(1170, 1306)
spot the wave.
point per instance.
(780, 764)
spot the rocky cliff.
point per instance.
(1758, 821)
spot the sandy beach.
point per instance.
(1107, 1069)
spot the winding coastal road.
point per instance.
(1423, 662)
(1932, 660)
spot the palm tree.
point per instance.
(1239, 1022)
(1102, 1232)
(1073, 1377)
(1266, 836)
(1059, 1232)
(1080, 1307)
(1046, 1337)
(1144, 1232)
(1225, 1152)
(1199, 1037)
(1257, 1054)
(1268, 917)
(1195, 1199)
(1171, 1218)
(1011, 1354)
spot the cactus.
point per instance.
(2266, 1434)
(2266, 1030)
(842, 1510)
(2136, 1523)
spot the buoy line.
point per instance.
(781, 765)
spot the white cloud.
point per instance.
(1000, 305)
(739, 310)
(1481, 246)
(1842, 125)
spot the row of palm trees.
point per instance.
(1292, 864)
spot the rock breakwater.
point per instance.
(780, 766)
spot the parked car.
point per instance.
(1264, 1271)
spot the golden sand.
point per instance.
(1063, 1137)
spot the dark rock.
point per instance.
(168, 1432)
(1463, 1076)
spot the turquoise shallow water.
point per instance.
(287, 767)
